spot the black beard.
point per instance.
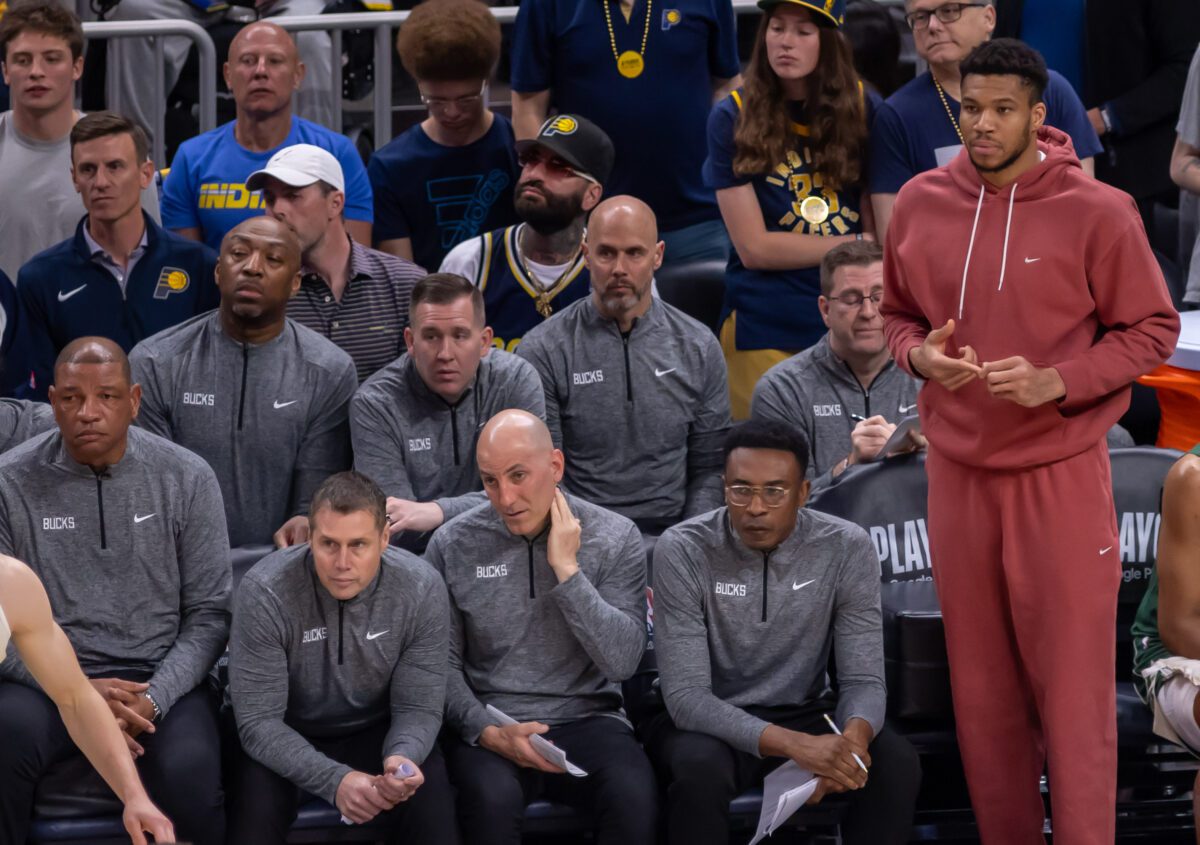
(556, 214)
(1008, 162)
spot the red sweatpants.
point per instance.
(1027, 568)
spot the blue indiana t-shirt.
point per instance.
(777, 309)
(206, 187)
(440, 196)
(911, 132)
(657, 120)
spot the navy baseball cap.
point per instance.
(577, 141)
(827, 12)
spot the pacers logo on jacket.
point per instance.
(171, 280)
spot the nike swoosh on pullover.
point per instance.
(271, 419)
(526, 644)
(302, 663)
(641, 418)
(135, 559)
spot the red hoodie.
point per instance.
(1054, 267)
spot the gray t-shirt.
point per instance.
(1188, 129)
(40, 207)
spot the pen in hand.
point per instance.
(834, 728)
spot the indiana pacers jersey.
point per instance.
(513, 300)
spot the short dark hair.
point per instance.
(850, 254)
(349, 492)
(444, 288)
(47, 18)
(1009, 57)
(449, 40)
(768, 434)
(102, 124)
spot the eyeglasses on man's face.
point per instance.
(945, 13)
(440, 104)
(854, 299)
(741, 495)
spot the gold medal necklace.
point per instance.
(542, 301)
(629, 64)
(946, 106)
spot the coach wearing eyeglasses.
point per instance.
(844, 393)
(916, 129)
(749, 601)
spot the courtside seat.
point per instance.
(243, 558)
(697, 288)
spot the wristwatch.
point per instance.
(154, 704)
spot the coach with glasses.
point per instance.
(750, 599)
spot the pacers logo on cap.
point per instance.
(561, 125)
(171, 280)
(670, 18)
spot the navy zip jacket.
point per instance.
(65, 295)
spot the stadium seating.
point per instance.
(695, 287)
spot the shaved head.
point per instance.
(520, 470)
(261, 33)
(94, 350)
(266, 228)
(515, 429)
(626, 211)
(623, 251)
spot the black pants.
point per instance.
(263, 804)
(619, 790)
(181, 767)
(703, 774)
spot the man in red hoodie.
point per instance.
(1026, 295)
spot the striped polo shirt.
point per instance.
(369, 321)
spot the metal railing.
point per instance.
(381, 23)
(157, 29)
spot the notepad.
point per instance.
(784, 792)
(548, 751)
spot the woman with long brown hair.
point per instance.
(786, 156)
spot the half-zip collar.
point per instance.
(789, 551)
(324, 599)
(639, 327)
(530, 543)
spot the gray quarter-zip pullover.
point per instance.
(817, 392)
(738, 627)
(536, 649)
(416, 446)
(641, 418)
(21, 419)
(271, 419)
(135, 559)
(302, 663)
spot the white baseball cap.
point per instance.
(300, 165)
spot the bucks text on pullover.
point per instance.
(738, 627)
(641, 416)
(135, 559)
(417, 446)
(817, 392)
(270, 419)
(302, 663)
(536, 649)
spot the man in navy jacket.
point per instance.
(122, 276)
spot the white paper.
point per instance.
(784, 792)
(548, 750)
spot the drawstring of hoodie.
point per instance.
(962, 292)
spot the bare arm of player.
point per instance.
(762, 250)
(1185, 166)
(529, 110)
(47, 654)
(399, 247)
(1178, 563)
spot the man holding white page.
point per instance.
(749, 601)
(547, 617)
